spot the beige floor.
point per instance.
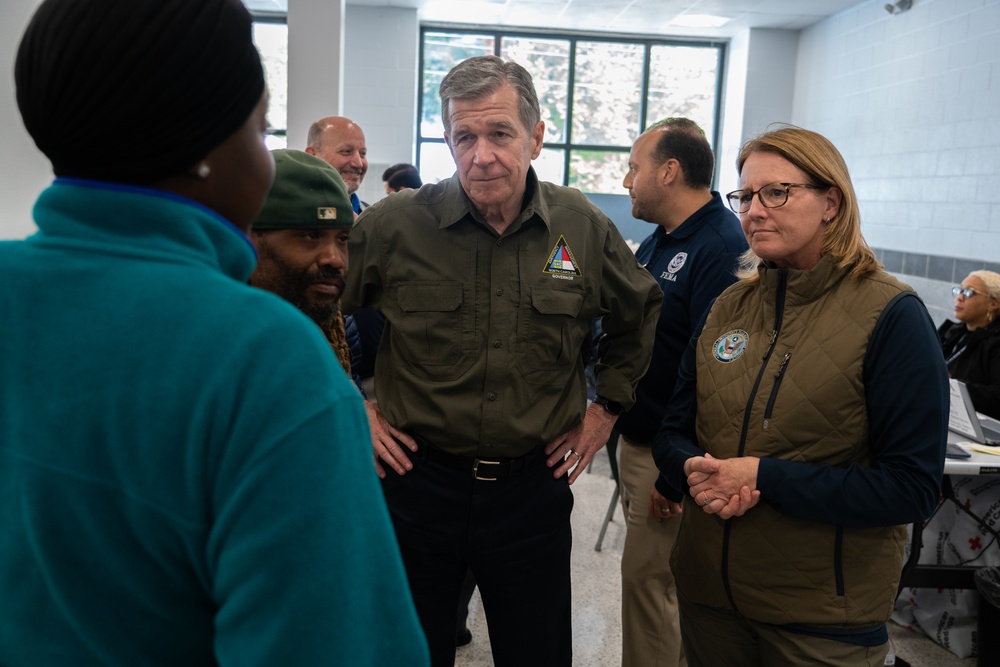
(597, 591)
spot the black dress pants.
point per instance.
(465, 597)
(514, 534)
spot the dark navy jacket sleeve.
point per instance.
(354, 344)
(369, 323)
(675, 442)
(907, 396)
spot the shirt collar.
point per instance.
(689, 226)
(457, 204)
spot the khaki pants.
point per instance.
(650, 629)
(368, 384)
(714, 637)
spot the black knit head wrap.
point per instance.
(135, 90)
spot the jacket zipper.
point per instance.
(779, 312)
(778, 375)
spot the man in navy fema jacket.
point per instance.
(692, 254)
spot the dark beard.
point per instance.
(320, 312)
(292, 285)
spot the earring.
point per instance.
(202, 171)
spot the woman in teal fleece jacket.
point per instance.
(185, 470)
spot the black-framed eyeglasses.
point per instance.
(967, 292)
(771, 195)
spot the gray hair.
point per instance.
(315, 136)
(484, 75)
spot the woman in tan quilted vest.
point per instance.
(808, 427)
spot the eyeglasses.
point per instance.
(771, 195)
(966, 292)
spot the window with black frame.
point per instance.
(596, 95)
(270, 35)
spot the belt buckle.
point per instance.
(475, 470)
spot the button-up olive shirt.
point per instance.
(482, 348)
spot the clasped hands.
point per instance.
(726, 487)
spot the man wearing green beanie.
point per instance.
(301, 236)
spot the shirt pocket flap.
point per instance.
(430, 297)
(557, 302)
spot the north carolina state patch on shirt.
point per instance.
(561, 262)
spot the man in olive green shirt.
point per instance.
(489, 282)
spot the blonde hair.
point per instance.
(989, 278)
(824, 165)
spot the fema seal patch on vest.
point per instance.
(731, 345)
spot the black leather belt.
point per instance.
(483, 469)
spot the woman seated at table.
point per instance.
(807, 428)
(972, 345)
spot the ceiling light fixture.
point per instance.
(699, 21)
(899, 7)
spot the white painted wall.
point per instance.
(381, 86)
(733, 100)
(24, 172)
(315, 64)
(759, 91)
(770, 79)
(913, 103)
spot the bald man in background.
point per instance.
(341, 142)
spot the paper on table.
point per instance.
(985, 449)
